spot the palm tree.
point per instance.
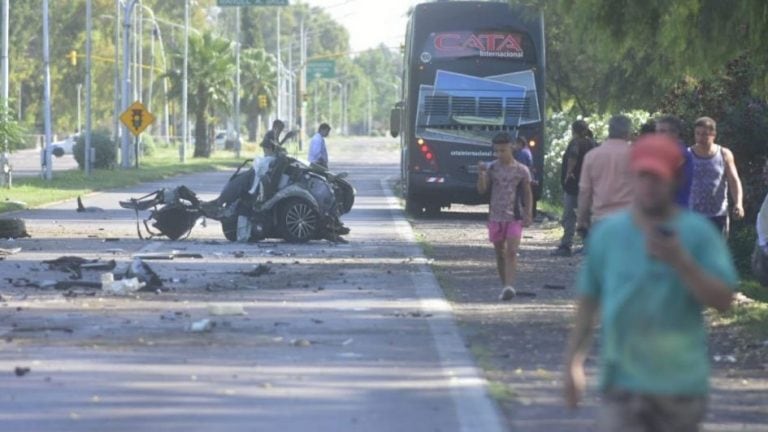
(211, 81)
(258, 77)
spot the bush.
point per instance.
(149, 145)
(106, 150)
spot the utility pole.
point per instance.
(79, 110)
(88, 84)
(279, 70)
(184, 87)
(237, 82)
(47, 94)
(5, 165)
(116, 114)
(302, 85)
(125, 161)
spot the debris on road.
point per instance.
(7, 252)
(301, 343)
(554, 287)
(124, 286)
(725, 359)
(167, 256)
(226, 309)
(204, 325)
(144, 273)
(260, 270)
(83, 209)
(75, 265)
(13, 228)
(21, 371)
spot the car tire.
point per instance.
(229, 228)
(13, 228)
(298, 221)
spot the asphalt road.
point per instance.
(26, 163)
(354, 337)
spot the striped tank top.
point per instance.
(709, 191)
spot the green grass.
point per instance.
(752, 318)
(34, 192)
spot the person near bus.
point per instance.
(570, 172)
(506, 178)
(605, 185)
(714, 175)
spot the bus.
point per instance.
(471, 70)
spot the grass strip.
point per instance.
(28, 192)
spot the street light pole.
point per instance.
(116, 114)
(184, 87)
(237, 82)
(126, 143)
(47, 94)
(88, 84)
(279, 70)
(5, 167)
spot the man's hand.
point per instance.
(482, 168)
(738, 212)
(528, 220)
(575, 383)
(666, 247)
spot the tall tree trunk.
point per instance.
(202, 144)
(253, 121)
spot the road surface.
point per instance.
(26, 163)
(353, 337)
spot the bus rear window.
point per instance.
(490, 44)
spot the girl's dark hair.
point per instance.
(580, 128)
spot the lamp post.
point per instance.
(125, 152)
(5, 165)
(47, 95)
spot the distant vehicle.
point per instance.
(220, 140)
(64, 147)
(472, 70)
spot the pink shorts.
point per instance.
(501, 231)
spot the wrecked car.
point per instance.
(278, 197)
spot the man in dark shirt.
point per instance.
(573, 158)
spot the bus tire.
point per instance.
(432, 210)
(414, 207)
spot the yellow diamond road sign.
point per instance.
(136, 118)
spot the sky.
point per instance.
(369, 22)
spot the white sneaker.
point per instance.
(507, 294)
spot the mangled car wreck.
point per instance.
(278, 197)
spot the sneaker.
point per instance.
(507, 294)
(562, 251)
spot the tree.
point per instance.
(211, 82)
(11, 133)
(258, 78)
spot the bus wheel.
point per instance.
(414, 207)
(432, 210)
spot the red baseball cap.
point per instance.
(657, 154)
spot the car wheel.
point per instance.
(298, 220)
(229, 227)
(13, 228)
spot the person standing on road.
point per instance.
(649, 273)
(673, 127)
(505, 178)
(714, 174)
(318, 152)
(570, 172)
(605, 184)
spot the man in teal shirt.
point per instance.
(649, 273)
